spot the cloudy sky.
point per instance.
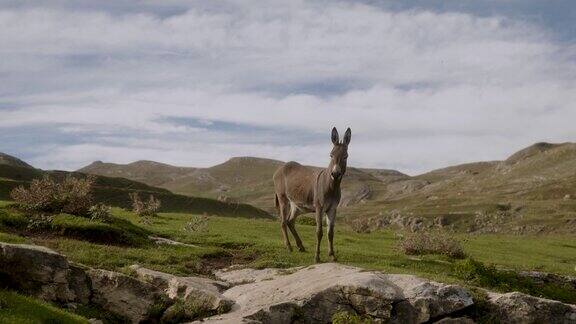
(195, 82)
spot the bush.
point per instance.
(71, 196)
(306, 220)
(432, 242)
(100, 212)
(145, 209)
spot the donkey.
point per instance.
(302, 189)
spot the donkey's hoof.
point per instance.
(333, 258)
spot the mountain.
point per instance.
(242, 179)
(149, 172)
(115, 192)
(534, 190)
(6, 159)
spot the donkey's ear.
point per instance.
(347, 136)
(335, 136)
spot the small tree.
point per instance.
(145, 209)
(72, 195)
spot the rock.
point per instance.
(79, 283)
(36, 270)
(517, 307)
(120, 294)
(316, 293)
(247, 275)
(195, 295)
(162, 240)
(546, 278)
(458, 320)
(95, 321)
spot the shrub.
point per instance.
(39, 222)
(197, 224)
(432, 242)
(306, 220)
(145, 209)
(100, 212)
(360, 226)
(71, 196)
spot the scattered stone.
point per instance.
(162, 240)
(519, 308)
(546, 278)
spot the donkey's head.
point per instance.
(339, 154)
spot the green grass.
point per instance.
(257, 243)
(115, 192)
(19, 309)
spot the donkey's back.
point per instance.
(295, 183)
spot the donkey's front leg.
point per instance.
(331, 219)
(318, 233)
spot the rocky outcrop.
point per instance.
(520, 308)
(40, 272)
(194, 295)
(312, 294)
(46, 274)
(120, 294)
(316, 293)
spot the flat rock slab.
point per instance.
(197, 294)
(315, 293)
(247, 275)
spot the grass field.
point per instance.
(256, 243)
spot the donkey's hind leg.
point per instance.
(292, 227)
(283, 207)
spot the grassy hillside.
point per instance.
(532, 191)
(240, 179)
(9, 160)
(115, 192)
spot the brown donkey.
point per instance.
(302, 189)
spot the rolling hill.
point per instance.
(532, 191)
(240, 179)
(115, 191)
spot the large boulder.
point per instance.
(315, 293)
(132, 298)
(193, 296)
(520, 308)
(41, 272)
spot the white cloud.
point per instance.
(419, 89)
